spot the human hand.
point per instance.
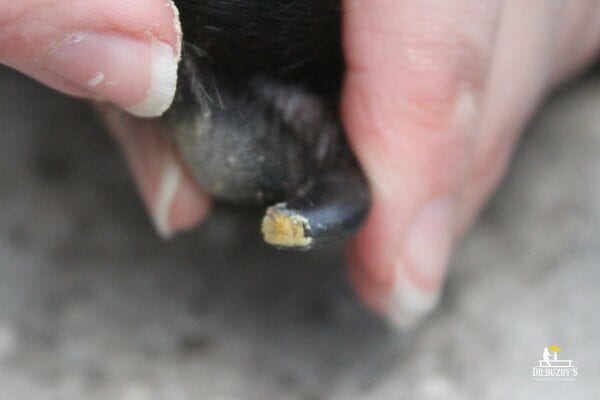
(123, 52)
(436, 95)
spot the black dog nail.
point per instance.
(330, 210)
(256, 117)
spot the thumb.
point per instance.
(125, 52)
(413, 87)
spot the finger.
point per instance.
(577, 39)
(537, 46)
(173, 199)
(125, 52)
(413, 89)
(522, 59)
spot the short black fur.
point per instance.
(256, 112)
(297, 41)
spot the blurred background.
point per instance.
(93, 305)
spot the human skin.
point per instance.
(435, 97)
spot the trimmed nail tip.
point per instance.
(167, 189)
(163, 82)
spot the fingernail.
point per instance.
(138, 75)
(167, 189)
(179, 203)
(189, 206)
(409, 304)
(422, 262)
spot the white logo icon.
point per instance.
(551, 368)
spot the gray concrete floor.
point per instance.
(94, 306)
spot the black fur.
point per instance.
(297, 41)
(256, 112)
